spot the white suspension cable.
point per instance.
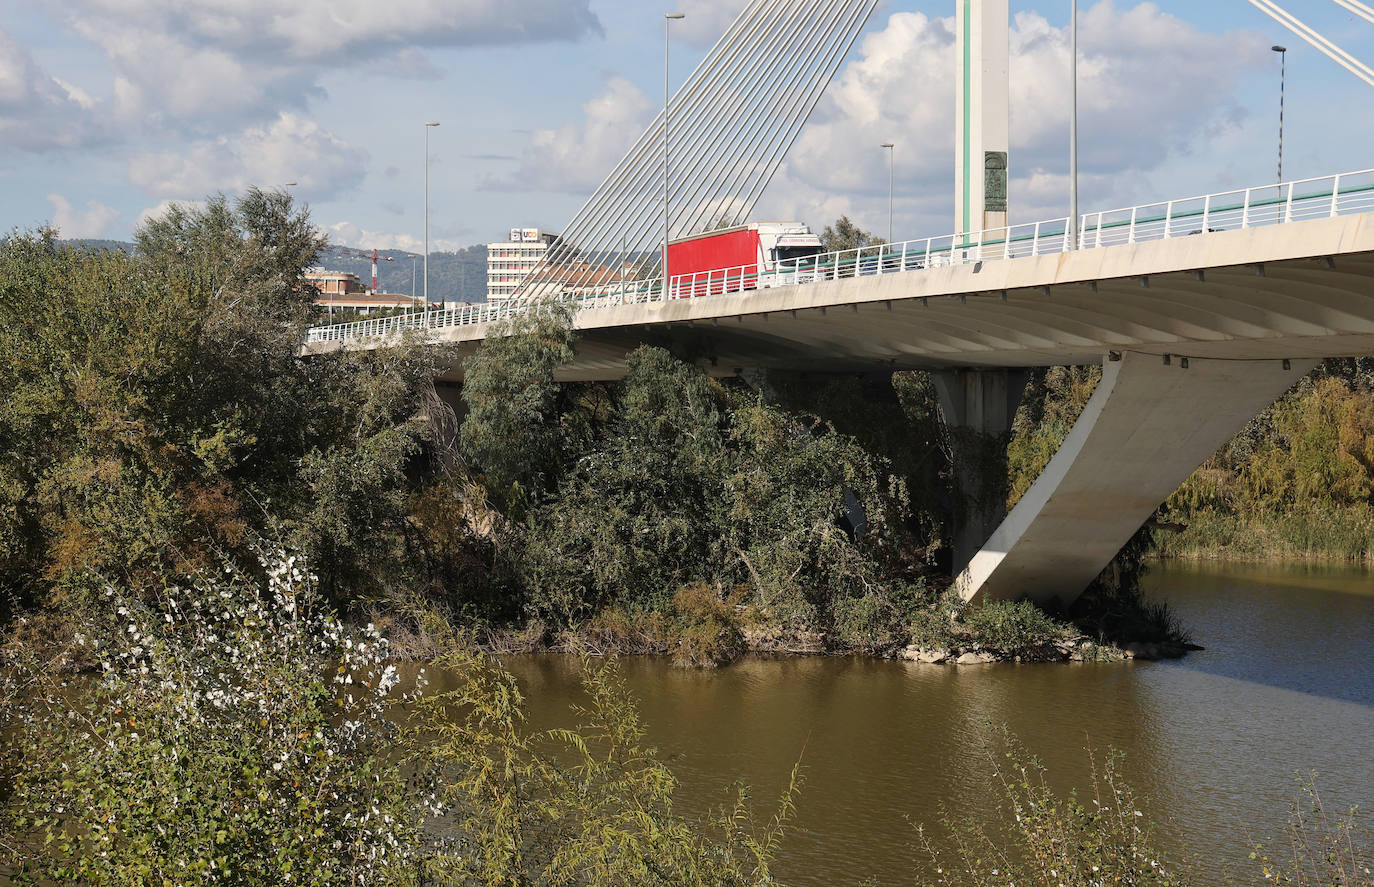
(733, 121)
(1326, 47)
(1360, 9)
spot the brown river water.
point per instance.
(1212, 741)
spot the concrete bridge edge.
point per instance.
(1150, 423)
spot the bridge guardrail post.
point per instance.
(1206, 213)
(1335, 196)
(1168, 220)
(1288, 205)
(1245, 210)
(1035, 240)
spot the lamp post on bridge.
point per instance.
(890, 152)
(1283, 76)
(668, 19)
(428, 124)
(1073, 125)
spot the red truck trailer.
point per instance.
(752, 256)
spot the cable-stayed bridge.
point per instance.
(1201, 310)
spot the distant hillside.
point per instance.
(121, 245)
(460, 276)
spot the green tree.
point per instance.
(516, 430)
(844, 234)
(159, 412)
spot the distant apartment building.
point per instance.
(345, 291)
(509, 264)
(339, 283)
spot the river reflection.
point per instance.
(1212, 742)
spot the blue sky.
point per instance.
(110, 108)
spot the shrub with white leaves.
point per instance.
(237, 733)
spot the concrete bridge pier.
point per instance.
(1151, 422)
(978, 406)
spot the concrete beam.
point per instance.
(1149, 424)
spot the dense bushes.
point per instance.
(157, 412)
(236, 734)
(1298, 481)
(670, 480)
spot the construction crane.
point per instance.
(355, 254)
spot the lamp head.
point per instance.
(674, 15)
(1278, 48)
(431, 123)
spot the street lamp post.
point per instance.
(1283, 76)
(428, 124)
(668, 20)
(889, 146)
(1073, 126)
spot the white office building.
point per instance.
(510, 263)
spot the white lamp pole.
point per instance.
(668, 20)
(1073, 127)
(1283, 76)
(890, 152)
(428, 124)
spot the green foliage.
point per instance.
(237, 734)
(707, 628)
(515, 429)
(1298, 481)
(1053, 400)
(686, 482)
(1014, 628)
(844, 234)
(157, 407)
(591, 805)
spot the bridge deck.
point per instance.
(1302, 289)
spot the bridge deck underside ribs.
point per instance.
(1147, 427)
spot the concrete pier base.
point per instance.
(978, 406)
(1151, 422)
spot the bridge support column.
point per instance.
(978, 407)
(1151, 422)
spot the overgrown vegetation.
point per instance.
(1298, 482)
(240, 733)
(161, 418)
(157, 413)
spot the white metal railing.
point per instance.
(1324, 197)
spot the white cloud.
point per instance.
(577, 157)
(707, 20)
(1151, 88)
(290, 149)
(180, 65)
(74, 223)
(38, 111)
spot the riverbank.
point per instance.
(700, 629)
(1333, 536)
